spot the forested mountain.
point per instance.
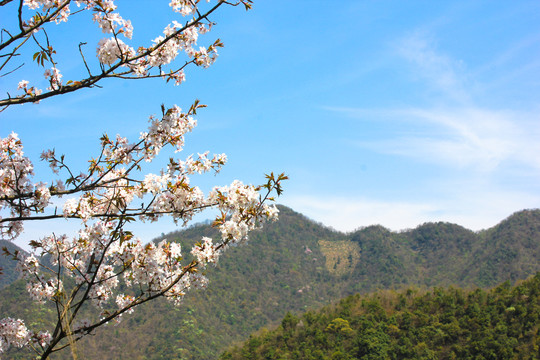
(7, 265)
(294, 265)
(502, 323)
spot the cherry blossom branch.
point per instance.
(109, 215)
(104, 257)
(30, 29)
(123, 57)
(5, 2)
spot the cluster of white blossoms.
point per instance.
(110, 51)
(115, 53)
(184, 7)
(39, 288)
(171, 128)
(15, 172)
(63, 11)
(111, 22)
(13, 332)
(206, 252)
(54, 77)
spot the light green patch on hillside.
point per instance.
(341, 256)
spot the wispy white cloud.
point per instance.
(477, 138)
(459, 131)
(514, 53)
(439, 70)
(468, 207)
(346, 214)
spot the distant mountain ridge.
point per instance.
(297, 264)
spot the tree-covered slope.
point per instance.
(280, 269)
(443, 251)
(508, 250)
(294, 265)
(502, 323)
(7, 265)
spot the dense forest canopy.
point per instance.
(502, 323)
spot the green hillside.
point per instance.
(295, 265)
(7, 265)
(502, 323)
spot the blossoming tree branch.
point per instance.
(105, 266)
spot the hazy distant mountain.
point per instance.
(297, 264)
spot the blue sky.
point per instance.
(381, 112)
